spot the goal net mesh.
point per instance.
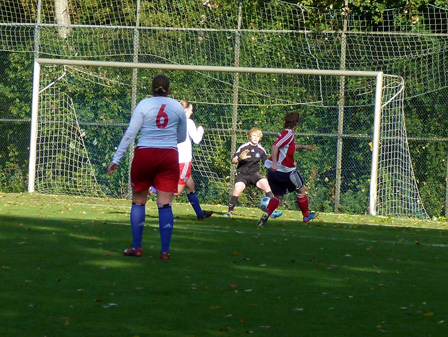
(84, 111)
(337, 113)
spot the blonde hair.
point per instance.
(257, 131)
(185, 103)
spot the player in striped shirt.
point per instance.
(283, 175)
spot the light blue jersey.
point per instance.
(161, 122)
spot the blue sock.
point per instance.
(137, 224)
(166, 222)
(194, 201)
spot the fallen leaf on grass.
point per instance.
(110, 305)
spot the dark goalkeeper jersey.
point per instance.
(251, 165)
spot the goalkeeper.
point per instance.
(248, 157)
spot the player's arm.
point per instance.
(274, 156)
(235, 158)
(306, 147)
(112, 168)
(196, 134)
(134, 127)
(239, 157)
(264, 156)
(182, 127)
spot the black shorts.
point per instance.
(281, 182)
(249, 179)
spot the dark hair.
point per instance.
(291, 119)
(160, 85)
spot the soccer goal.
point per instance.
(355, 118)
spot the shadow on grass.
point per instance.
(66, 276)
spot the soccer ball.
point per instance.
(264, 203)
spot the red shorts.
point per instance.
(155, 167)
(184, 172)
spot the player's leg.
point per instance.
(166, 222)
(273, 204)
(165, 181)
(263, 185)
(137, 220)
(302, 198)
(276, 181)
(194, 201)
(184, 174)
(139, 196)
(180, 189)
(270, 210)
(239, 187)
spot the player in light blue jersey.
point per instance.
(161, 122)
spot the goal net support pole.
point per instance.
(311, 72)
(34, 124)
(376, 142)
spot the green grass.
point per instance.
(63, 273)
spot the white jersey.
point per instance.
(161, 122)
(185, 148)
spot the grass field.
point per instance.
(63, 273)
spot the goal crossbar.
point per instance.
(189, 67)
(378, 75)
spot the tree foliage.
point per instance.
(426, 114)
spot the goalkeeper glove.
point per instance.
(244, 155)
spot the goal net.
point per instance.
(84, 108)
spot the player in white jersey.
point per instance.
(194, 134)
(162, 124)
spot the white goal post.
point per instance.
(376, 75)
